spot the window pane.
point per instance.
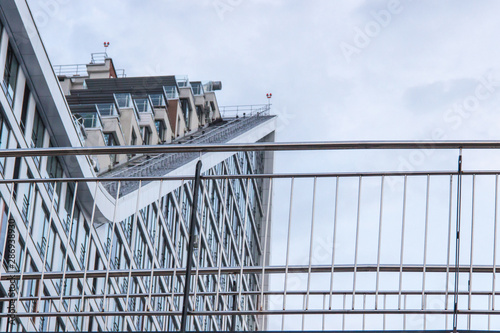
(10, 75)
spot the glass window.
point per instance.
(123, 100)
(157, 100)
(71, 208)
(37, 135)
(4, 139)
(10, 75)
(197, 88)
(143, 105)
(40, 229)
(134, 139)
(171, 91)
(38, 132)
(185, 110)
(24, 112)
(160, 128)
(88, 119)
(107, 109)
(54, 170)
(146, 135)
(109, 140)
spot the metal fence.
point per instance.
(235, 111)
(347, 251)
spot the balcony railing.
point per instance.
(124, 100)
(88, 119)
(71, 70)
(98, 57)
(182, 81)
(171, 92)
(197, 88)
(337, 250)
(158, 100)
(143, 105)
(107, 110)
(234, 111)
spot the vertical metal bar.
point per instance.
(457, 243)
(24, 261)
(425, 314)
(106, 279)
(221, 243)
(192, 232)
(379, 240)
(287, 250)
(343, 313)
(404, 315)
(87, 256)
(10, 320)
(65, 263)
(471, 244)
(243, 246)
(200, 236)
(495, 246)
(402, 244)
(235, 307)
(356, 245)
(303, 313)
(132, 246)
(323, 317)
(176, 258)
(364, 313)
(8, 218)
(265, 243)
(311, 245)
(385, 307)
(158, 235)
(334, 239)
(489, 315)
(449, 247)
(426, 228)
(40, 290)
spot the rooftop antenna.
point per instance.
(106, 45)
(269, 96)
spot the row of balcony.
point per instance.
(125, 100)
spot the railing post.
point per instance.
(457, 243)
(235, 307)
(192, 231)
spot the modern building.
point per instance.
(83, 248)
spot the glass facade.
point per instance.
(65, 239)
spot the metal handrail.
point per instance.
(71, 70)
(231, 111)
(98, 57)
(259, 146)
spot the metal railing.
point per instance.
(107, 109)
(98, 57)
(71, 70)
(372, 250)
(88, 119)
(232, 111)
(120, 73)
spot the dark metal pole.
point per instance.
(457, 243)
(192, 234)
(235, 307)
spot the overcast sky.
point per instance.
(338, 70)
